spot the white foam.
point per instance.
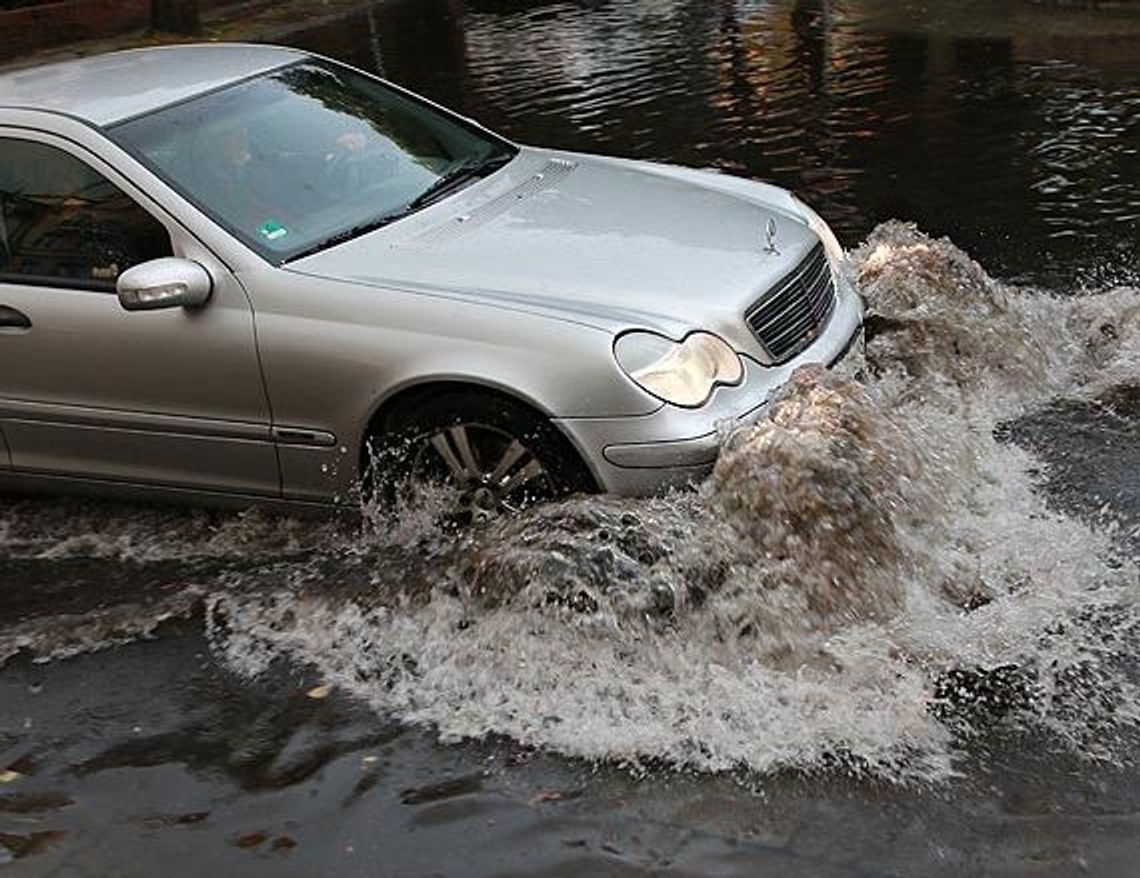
(849, 554)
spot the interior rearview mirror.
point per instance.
(164, 283)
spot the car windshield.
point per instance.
(310, 155)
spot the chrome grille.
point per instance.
(791, 316)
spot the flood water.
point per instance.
(894, 634)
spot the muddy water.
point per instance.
(893, 634)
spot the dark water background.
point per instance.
(1012, 127)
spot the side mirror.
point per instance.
(164, 283)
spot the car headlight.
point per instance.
(682, 373)
(831, 245)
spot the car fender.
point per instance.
(333, 352)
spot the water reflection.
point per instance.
(1013, 128)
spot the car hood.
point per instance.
(609, 243)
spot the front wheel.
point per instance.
(484, 455)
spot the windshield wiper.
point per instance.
(454, 177)
(348, 234)
(470, 169)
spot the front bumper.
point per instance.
(674, 446)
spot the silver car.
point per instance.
(232, 271)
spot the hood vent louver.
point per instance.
(552, 172)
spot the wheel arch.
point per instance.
(420, 390)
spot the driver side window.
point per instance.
(64, 224)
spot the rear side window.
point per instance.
(64, 224)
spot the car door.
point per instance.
(168, 397)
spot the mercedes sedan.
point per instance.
(253, 273)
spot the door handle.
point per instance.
(10, 318)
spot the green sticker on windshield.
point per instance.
(273, 231)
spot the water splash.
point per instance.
(868, 576)
(864, 563)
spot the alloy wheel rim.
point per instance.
(494, 472)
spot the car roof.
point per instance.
(105, 89)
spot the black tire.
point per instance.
(411, 446)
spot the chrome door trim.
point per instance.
(115, 419)
(303, 436)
